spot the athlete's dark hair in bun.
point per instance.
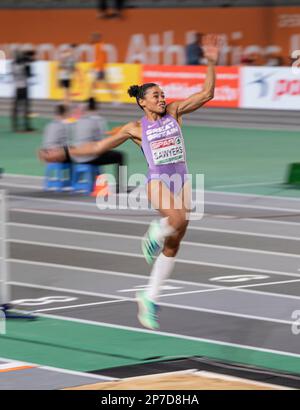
(133, 91)
(140, 91)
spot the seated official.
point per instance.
(56, 136)
(89, 128)
(93, 127)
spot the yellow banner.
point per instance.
(81, 82)
(113, 88)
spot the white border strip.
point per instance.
(66, 371)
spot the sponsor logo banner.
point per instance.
(270, 88)
(179, 82)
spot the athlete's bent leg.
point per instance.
(176, 221)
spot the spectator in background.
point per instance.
(102, 6)
(99, 73)
(194, 51)
(67, 71)
(248, 60)
(56, 134)
(92, 127)
(98, 67)
(293, 61)
(273, 60)
(21, 72)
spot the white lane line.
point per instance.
(240, 288)
(269, 221)
(14, 365)
(243, 288)
(208, 191)
(70, 214)
(20, 176)
(243, 195)
(268, 208)
(250, 184)
(82, 269)
(227, 204)
(78, 306)
(14, 185)
(189, 244)
(231, 288)
(66, 202)
(254, 349)
(198, 228)
(78, 248)
(134, 221)
(81, 374)
(211, 286)
(79, 231)
(173, 305)
(67, 290)
(208, 264)
(245, 233)
(269, 284)
(59, 370)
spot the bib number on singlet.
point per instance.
(167, 151)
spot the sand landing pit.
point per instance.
(182, 380)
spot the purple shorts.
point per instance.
(174, 176)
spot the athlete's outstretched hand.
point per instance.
(211, 48)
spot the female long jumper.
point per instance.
(159, 135)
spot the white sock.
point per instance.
(165, 229)
(161, 270)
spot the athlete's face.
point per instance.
(154, 100)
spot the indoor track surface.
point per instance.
(234, 294)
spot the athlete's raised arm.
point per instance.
(195, 101)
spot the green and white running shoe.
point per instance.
(147, 314)
(151, 246)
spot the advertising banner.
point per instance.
(270, 88)
(179, 82)
(118, 78)
(38, 82)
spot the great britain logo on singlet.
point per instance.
(168, 146)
